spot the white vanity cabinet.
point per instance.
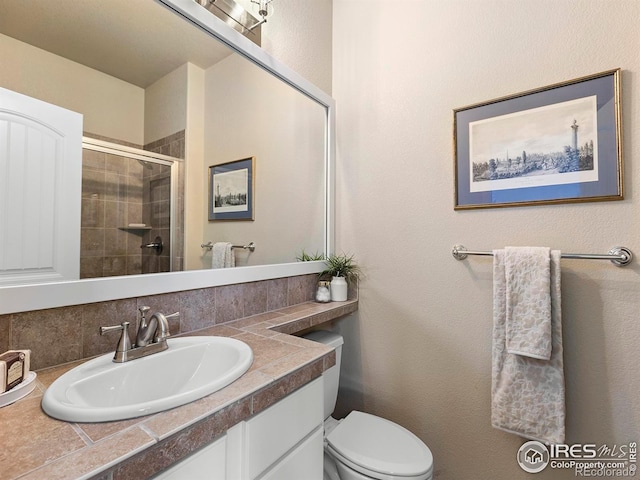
(283, 442)
(304, 462)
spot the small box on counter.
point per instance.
(14, 367)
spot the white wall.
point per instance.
(418, 352)
(111, 107)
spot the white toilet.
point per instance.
(362, 446)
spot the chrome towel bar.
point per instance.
(619, 256)
(250, 246)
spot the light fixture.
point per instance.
(237, 17)
(264, 10)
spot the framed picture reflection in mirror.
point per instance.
(231, 190)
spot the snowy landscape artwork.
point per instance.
(231, 191)
(549, 145)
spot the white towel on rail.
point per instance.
(527, 394)
(222, 255)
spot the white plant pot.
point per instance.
(338, 289)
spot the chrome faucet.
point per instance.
(151, 337)
(153, 332)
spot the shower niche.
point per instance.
(128, 204)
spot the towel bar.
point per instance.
(619, 256)
(250, 246)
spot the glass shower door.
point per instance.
(126, 226)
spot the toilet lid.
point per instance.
(380, 446)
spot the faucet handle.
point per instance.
(124, 344)
(171, 316)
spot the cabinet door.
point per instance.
(304, 462)
(272, 433)
(206, 464)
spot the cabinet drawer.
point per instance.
(273, 432)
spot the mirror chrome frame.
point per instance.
(21, 298)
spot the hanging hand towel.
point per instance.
(527, 393)
(528, 309)
(222, 255)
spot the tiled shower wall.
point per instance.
(111, 199)
(60, 335)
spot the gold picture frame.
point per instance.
(556, 144)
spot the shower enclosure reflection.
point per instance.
(127, 226)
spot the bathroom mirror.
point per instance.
(232, 101)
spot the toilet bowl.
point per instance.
(363, 446)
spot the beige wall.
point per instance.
(194, 198)
(418, 351)
(298, 34)
(42, 75)
(250, 113)
(165, 106)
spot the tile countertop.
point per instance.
(34, 446)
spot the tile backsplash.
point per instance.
(66, 334)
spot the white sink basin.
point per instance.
(191, 368)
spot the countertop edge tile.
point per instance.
(286, 385)
(180, 444)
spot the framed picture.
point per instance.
(555, 144)
(231, 190)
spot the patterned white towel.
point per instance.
(222, 255)
(528, 321)
(527, 394)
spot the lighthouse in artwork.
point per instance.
(574, 127)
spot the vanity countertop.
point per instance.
(34, 446)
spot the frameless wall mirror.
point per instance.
(166, 90)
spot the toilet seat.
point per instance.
(379, 448)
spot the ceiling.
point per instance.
(138, 41)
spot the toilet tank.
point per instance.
(331, 376)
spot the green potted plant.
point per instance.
(341, 268)
(309, 257)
